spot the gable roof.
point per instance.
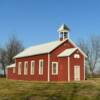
(44, 48)
(39, 49)
(77, 47)
(67, 52)
(11, 66)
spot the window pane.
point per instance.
(76, 56)
(55, 68)
(41, 64)
(26, 68)
(32, 67)
(19, 68)
(14, 70)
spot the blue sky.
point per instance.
(37, 21)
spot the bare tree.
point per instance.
(92, 50)
(84, 46)
(12, 47)
(3, 59)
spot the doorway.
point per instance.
(77, 73)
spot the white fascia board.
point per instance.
(77, 48)
(39, 49)
(11, 66)
(67, 52)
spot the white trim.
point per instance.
(39, 49)
(59, 36)
(63, 35)
(41, 72)
(19, 68)
(25, 68)
(48, 67)
(32, 67)
(56, 68)
(47, 48)
(76, 56)
(14, 69)
(11, 66)
(77, 73)
(77, 47)
(84, 68)
(68, 69)
(68, 35)
(67, 52)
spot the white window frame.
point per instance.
(41, 70)
(76, 56)
(19, 68)
(56, 68)
(32, 67)
(25, 68)
(14, 69)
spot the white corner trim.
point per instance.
(84, 69)
(48, 67)
(68, 69)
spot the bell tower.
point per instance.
(63, 32)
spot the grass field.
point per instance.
(24, 90)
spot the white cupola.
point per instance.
(63, 32)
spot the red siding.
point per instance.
(62, 62)
(10, 74)
(62, 67)
(76, 61)
(36, 75)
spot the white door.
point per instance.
(76, 73)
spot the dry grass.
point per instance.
(25, 90)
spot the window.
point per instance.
(76, 56)
(41, 64)
(19, 68)
(13, 69)
(25, 68)
(54, 68)
(32, 67)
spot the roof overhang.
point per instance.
(67, 52)
(78, 48)
(11, 66)
(41, 51)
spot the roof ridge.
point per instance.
(39, 49)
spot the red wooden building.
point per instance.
(59, 60)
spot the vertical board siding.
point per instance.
(62, 66)
(63, 62)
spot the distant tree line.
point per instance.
(11, 48)
(91, 47)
